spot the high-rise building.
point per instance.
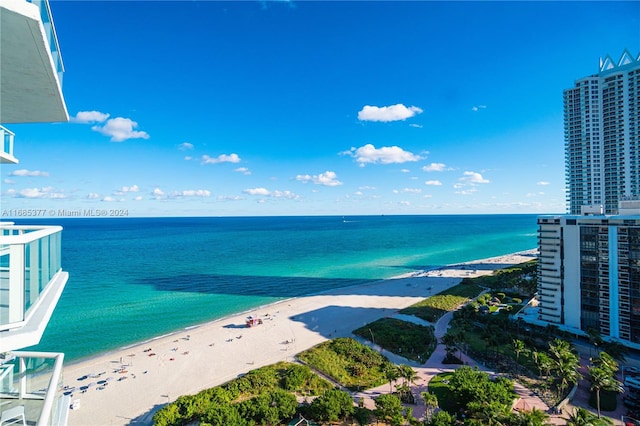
(31, 275)
(589, 261)
(589, 274)
(602, 136)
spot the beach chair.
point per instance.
(13, 415)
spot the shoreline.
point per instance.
(148, 374)
(412, 274)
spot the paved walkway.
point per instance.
(434, 366)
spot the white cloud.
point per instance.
(473, 178)
(46, 192)
(257, 191)
(385, 155)
(185, 146)
(191, 193)
(243, 170)
(408, 191)
(133, 188)
(109, 199)
(387, 113)
(188, 158)
(89, 117)
(275, 194)
(285, 194)
(9, 181)
(229, 198)
(435, 167)
(405, 171)
(25, 172)
(433, 183)
(327, 178)
(158, 193)
(120, 129)
(222, 158)
(543, 183)
(93, 196)
(418, 126)
(477, 108)
(405, 203)
(138, 198)
(467, 191)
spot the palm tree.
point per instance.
(533, 417)
(409, 377)
(595, 337)
(449, 342)
(391, 373)
(602, 379)
(606, 362)
(431, 403)
(582, 417)
(564, 363)
(518, 348)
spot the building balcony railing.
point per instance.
(6, 154)
(31, 383)
(52, 37)
(31, 282)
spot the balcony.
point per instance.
(31, 383)
(32, 68)
(6, 154)
(31, 282)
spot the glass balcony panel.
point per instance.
(29, 261)
(52, 38)
(33, 380)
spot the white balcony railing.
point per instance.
(29, 263)
(6, 153)
(31, 382)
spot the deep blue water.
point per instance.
(136, 278)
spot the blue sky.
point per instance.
(209, 108)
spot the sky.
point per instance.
(214, 108)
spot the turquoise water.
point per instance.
(136, 278)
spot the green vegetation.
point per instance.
(432, 308)
(521, 278)
(604, 386)
(332, 406)
(406, 339)
(389, 408)
(481, 399)
(439, 386)
(350, 363)
(262, 396)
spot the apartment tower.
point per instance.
(602, 136)
(589, 261)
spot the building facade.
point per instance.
(31, 275)
(589, 260)
(602, 136)
(589, 274)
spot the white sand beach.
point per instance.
(128, 385)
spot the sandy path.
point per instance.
(213, 353)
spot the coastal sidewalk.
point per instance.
(140, 379)
(434, 366)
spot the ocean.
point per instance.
(132, 279)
